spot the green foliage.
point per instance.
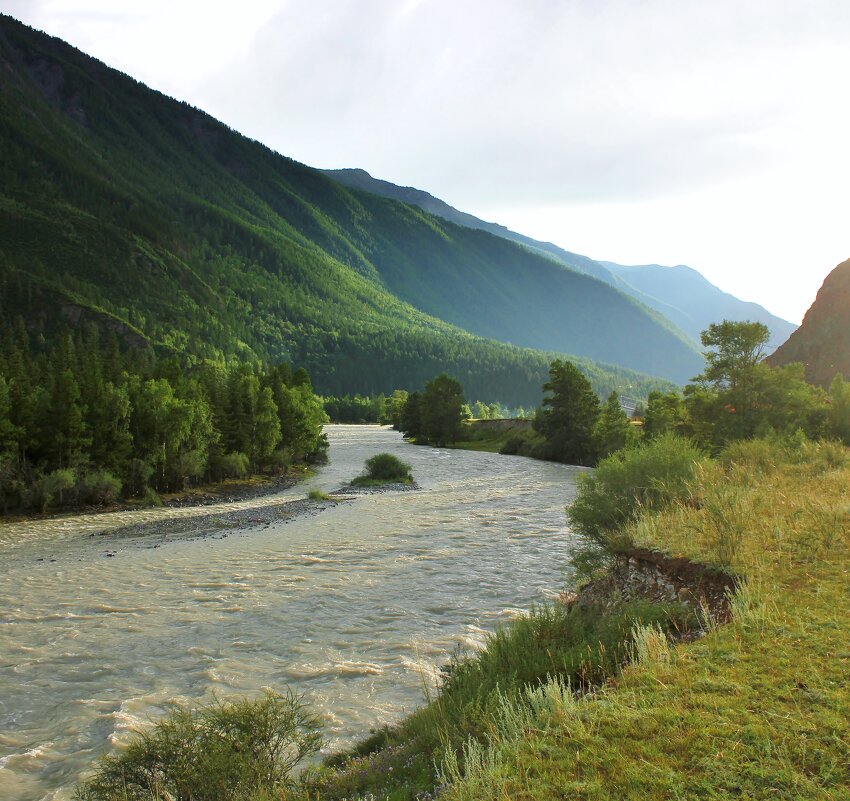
(232, 751)
(83, 420)
(442, 410)
(411, 417)
(577, 647)
(612, 430)
(386, 468)
(838, 416)
(650, 475)
(234, 465)
(571, 412)
(124, 206)
(665, 412)
(739, 397)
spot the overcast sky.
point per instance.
(713, 133)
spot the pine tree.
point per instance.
(612, 430)
(571, 411)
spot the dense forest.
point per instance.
(85, 421)
(122, 206)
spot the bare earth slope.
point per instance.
(822, 342)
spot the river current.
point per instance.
(356, 606)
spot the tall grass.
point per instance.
(527, 671)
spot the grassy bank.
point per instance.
(757, 708)
(513, 436)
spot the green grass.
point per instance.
(578, 647)
(318, 495)
(757, 708)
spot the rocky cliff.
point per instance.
(822, 342)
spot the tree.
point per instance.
(410, 424)
(442, 410)
(570, 414)
(612, 431)
(395, 407)
(665, 411)
(735, 349)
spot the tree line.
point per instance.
(736, 397)
(84, 420)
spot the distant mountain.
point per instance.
(680, 294)
(124, 207)
(822, 342)
(692, 302)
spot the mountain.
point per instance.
(680, 294)
(121, 205)
(692, 302)
(822, 342)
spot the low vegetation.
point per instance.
(232, 751)
(384, 468)
(755, 708)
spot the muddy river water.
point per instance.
(355, 605)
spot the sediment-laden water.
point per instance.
(356, 605)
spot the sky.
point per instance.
(712, 133)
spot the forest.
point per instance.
(84, 421)
(121, 206)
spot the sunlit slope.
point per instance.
(116, 200)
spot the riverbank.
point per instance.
(512, 436)
(227, 491)
(726, 696)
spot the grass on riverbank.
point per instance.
(514, 437)
(759, 708)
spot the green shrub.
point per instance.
(386, 467)
(99, 488)
(54, 487)
(151, 498)
(651, 475)
(222, 752)
(318, 495)
(234, 465)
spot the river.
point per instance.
(355, 606)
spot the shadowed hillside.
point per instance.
(822, 342)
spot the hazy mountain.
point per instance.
(121, 204)
(693, 302)
(822, 342)
(680, 293)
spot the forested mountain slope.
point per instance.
(120, 204)
(822, 342)
(681, 294)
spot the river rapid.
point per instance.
(356, 605)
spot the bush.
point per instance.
(99, 488)
(54, 487)
(234, 465)
(222, 752)
(651, 475)
(151, 498)
(386, 467)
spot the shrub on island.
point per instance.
(384, 468)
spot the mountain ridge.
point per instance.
(141, 208)
(691, 312)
